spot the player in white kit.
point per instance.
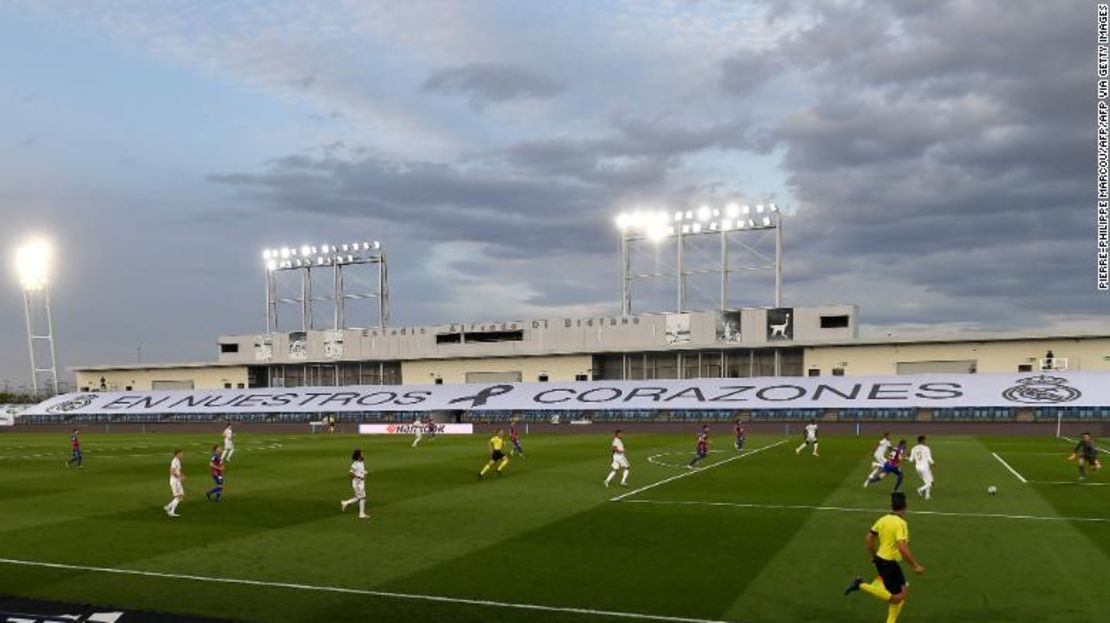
(811, 438)
(177, 484)
(229, 443)
(620, 461)
(418, 427)
(922, 458)
(357, 474)
(881, 450)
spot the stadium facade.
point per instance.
(750, 342)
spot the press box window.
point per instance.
(834, 322)
(229, 348)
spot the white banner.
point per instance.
(410, 429)
(7, 419)
(1078, 389)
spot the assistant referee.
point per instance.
(888, 542)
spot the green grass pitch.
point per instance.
(770, 537)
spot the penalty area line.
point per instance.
(358, 591)
(692, 472)
(1007, 466)
(842, 509)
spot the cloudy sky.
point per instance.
(935, 159)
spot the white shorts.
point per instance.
(228, 446)
(177, 487)
(926, 475)
(620, 461)
(360, 488)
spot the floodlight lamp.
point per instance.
(678, 216)
(759, 208)
(689, 215)
(624, 221)
(32, 264)
(685, 229)
(265, 254)
(745, 210)
(704, 213)
(271, 265)
(726, 224)
(657, 232)
(732, 210)
(306, 250)
(766, 221)
(285, 253)
(696, 228)
(773, 208)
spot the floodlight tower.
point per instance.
(726, 223)
(339, 259)
(33, 261)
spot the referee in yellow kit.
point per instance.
(496, 454)
(888, 542)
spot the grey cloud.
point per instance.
(940, 165)
(746, 72)
(484, 83)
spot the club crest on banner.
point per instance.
(73, 404)
(1042, 390)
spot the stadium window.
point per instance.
(838, 371)
(494, 336)
(543, 378)
(1025, 367)
(127, 388)
(240, 385)
(439, 380)
(581, 377)
(449, 338)
(814, 372)
(227, 385)
(834, 322)
(229, 348)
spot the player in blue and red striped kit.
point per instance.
(702, 448)
(893, 465)
(740, 437)
(514, 436)
(216, 464)
(75, 450)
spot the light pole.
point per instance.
(33, 262)
(723, 222)
(339, 259)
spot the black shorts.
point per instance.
(891, 573)
(497, 455)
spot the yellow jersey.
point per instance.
(890, 529)
(496, 442)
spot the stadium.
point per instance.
(727, 437)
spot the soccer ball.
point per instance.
(991, 490)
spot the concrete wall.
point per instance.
(1082, 354)
(142, 379)
(559, 368)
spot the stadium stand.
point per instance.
(872, 415)
(1072, 414)
(782, 415)
(975, 414)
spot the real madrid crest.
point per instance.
(1042, 390)
(73, 404)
